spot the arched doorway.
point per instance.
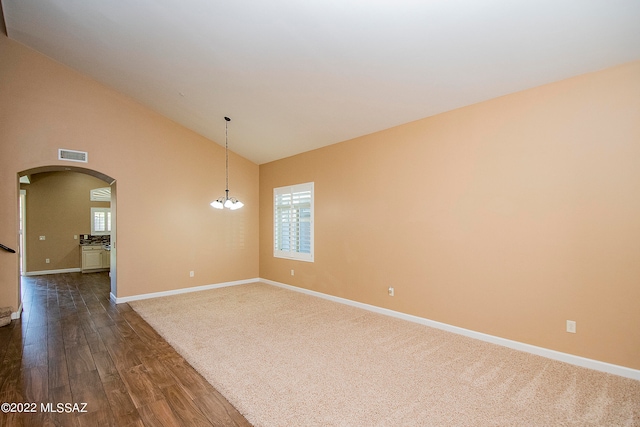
(30, 175)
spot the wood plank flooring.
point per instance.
(73, 345)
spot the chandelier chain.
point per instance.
(226, 152)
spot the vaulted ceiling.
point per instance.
(298, 75)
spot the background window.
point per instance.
(293, 222)
(100, 221)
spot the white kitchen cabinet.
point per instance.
(92, 258)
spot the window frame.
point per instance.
(294, 242)
(107, 212)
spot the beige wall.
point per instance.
(506, 217)
(59, 208)
(166, 177)
(514, 215)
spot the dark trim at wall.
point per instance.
(3, 25)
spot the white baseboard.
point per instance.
(182, 291)
(16, 315)
(63, 270)
(528, 348)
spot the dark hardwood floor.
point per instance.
(74, 346)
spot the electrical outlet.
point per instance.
(391, 291)
(192, 273)
(47, 260)
(571, 326)
(292, 272)
(42, 237)
(75, 237)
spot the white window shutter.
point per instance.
(293, 222)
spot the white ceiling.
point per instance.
(296, 75)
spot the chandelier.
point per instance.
(226, 201)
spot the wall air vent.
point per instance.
(73, 155)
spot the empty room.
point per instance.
(319, 213)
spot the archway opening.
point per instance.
(34, 244)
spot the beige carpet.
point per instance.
(283, 358)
